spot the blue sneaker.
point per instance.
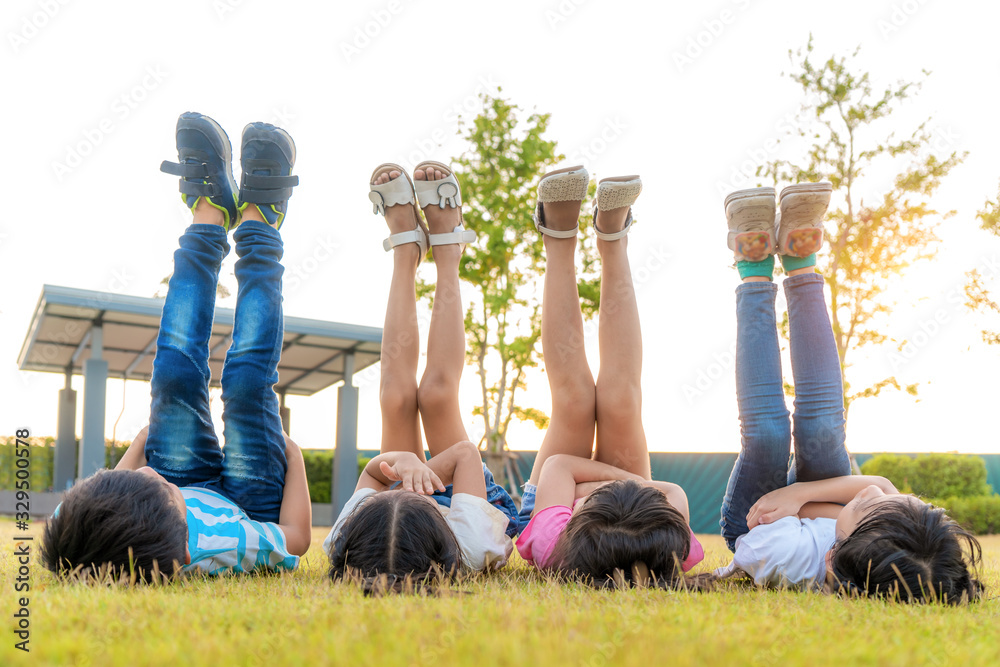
(204, 164)
(267, 155)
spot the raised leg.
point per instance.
(255, 464)
(762, 464)
(621, 440)
(400, 341)
(572, 426)
(818, 425)
(437, 395)
(182, 445)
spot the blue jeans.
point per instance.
(817, 426)
(182, 445)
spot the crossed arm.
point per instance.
(295, 517)
(823, 498)
(566, 478)
(460, 465)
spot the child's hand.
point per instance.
(414, 474)
(775, 505)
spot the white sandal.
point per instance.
(441, 193)
(614, 193)
(396, 192)
(568, 184)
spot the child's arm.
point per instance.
(788, 501)
(295, 519)
(135, 456)
(405, 467)
(561, 473)
(461, 465)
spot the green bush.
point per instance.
(978, 514)
(932, 475)
(319, 472)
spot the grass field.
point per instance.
(515, 618)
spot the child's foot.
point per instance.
(613, 206)
(392, 195)
(560, 195)
(204, 164)
(267, 156)
(440, 198)
(751, 223)
(800, 218)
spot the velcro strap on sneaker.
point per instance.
(265, 196)
(269, 182)
(199, 189)
(184, 170)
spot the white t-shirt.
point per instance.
(479, 527)
(789, 553)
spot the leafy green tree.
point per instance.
(975, 290)
(506, 156)
(873, 239)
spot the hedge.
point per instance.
(932, 475)
(977, 514)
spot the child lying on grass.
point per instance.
(177, 501)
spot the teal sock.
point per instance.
(764, 268)
(789, 263)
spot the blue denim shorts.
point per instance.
(496, 495)
(527, 507)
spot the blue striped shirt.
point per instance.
(222, 538)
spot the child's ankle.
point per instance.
(795, 266)
(764, 269)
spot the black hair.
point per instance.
(909, 551)
(117, 520)
(625, 534)
(395, 542)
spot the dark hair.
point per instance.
(625, 534)
(913, 552)
(398, 539)
(117, 519)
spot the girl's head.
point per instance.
(899, 546)
(624, 533)
(398, 534)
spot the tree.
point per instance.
(870, 241)
(975, 290)
(505, 157)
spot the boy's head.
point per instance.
(105, 516)
(624, 532)
(398, 534)
(899, 546)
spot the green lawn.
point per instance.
(516, 618)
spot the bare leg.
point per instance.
(400, 342)
(621, 441)
(571, 429)
(438, 392)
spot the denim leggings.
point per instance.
(817, 426)
(182, 445)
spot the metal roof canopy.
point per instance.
(58, 340)
(102, 335)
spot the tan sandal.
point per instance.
(569, 184)
(441, 193)
(615, 193)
